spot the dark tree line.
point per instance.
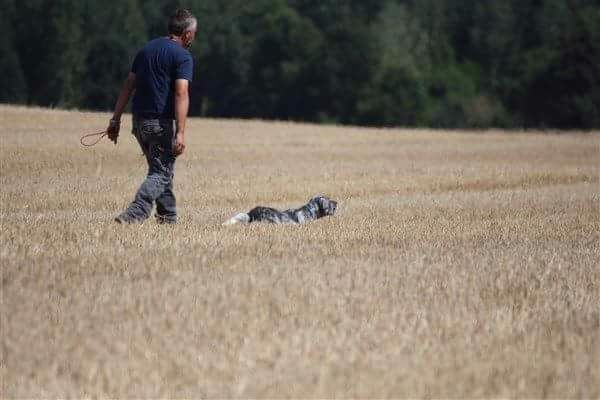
(440, 63)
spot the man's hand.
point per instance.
(114, 126)
(179, 146)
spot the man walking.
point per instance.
(160, 77)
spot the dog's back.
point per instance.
(268, 214)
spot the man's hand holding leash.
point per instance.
(114, 126)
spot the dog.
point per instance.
(318, 207)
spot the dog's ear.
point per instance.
(318, 202)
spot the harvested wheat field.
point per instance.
(458, 264)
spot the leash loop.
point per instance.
(100, 134)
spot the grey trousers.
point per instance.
(156, 138)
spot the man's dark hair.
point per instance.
(180, 22)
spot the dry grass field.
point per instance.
(458, 265)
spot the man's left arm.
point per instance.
(183, 77)
(182, 104)
(114, 125)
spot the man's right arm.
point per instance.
(115, 122)
(182, 105)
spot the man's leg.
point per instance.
(166, 205)
(166, 211)
(161, 161)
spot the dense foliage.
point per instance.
(440, 63)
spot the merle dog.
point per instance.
(317, 207)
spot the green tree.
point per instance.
(348, 56)
(444, 63)
(110, 51)
(397, 93)
(13, 86)
(560, 83)
(285, 53)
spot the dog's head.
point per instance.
(326, 205)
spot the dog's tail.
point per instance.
(241, 218)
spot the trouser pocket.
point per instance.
(151, 130)
(154, 135)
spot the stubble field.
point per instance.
(458, 265)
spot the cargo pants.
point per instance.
(156, 138)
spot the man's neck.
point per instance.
(176, 39)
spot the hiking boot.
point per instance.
(125, 218)
(165, 220)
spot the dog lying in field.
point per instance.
(317, 207)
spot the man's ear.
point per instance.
(186, 40)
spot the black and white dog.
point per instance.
(317, 207)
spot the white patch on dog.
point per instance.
(241, 218)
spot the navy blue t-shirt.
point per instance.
(156, 68)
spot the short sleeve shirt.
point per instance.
(157, 66)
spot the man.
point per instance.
(160, 77)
